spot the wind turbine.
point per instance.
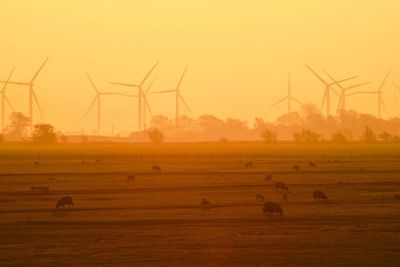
(146, 105)
(178, 96)
(140, 94)
(98, 98)
(4, 99)
(342, 97)
(326, 101)
(289, 98)
(395, 95)
(32, 94)
(378, 93)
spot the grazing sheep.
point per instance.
(312, 164)
(296, 168)
(204, 203)
(156, 168)
(272, 208)
(97, 161)
(131, 177)
(36, 163)
(83, 162)
(248, 164)
(43, 189)
(281, 187)
(319, 195)
(268, 177)
(260, 197)
(65, 201)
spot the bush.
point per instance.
(44, 134)
(306, 137)
(368, 135)
(338, 138)
(156, 136)
(269, 136)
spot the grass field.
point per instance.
(156, 220)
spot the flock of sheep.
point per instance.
(269, 208)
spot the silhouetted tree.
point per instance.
(269, 136)
(306, 137)
(161, 122)
(338, 138)
(44, 133)
(18, 126)
(385, 137)
(368, 135)
(156, 136)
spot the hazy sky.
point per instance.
(239, 53)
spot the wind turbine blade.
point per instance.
(362, 93)
(125, 84)
(396, 85)
(384, 105)
(147, 105)
(8, 79)
(112, 93)
(324, 99)
(9, 103)
(91, 105)
(130, 95)
(148, 74)
(37, 102)
(298, 102)
(319, 77)
(184, 102)
(181, 78)
(39, 70)
(356, 85)
(150, 85)
(278, 102)
(333, 80)
(384, 80)
(163, 92)
(18, 83)
(91, 81)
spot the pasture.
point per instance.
(156, 219)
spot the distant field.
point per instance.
(156, 219)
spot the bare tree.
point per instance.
(18, 127)
(156, 136)
(44, 133)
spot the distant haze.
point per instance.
(239, 54)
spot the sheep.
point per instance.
(271, 208)
(260, 197)
(268, 177)
(36, 163)
(204, 203)
(281, 187)
(156, 168)
(65, 201)
(319, 195)
(248, 164)
(131, 177)
(296, 168)
(312, 164)
(43, 189)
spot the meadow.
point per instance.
(156, 219)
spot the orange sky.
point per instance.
(239, 53)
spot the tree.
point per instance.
(385, 137)
(368, 135)
(156, 136)
(44, 133)
(306, 137)
(18, 126)
(269, 136)
(338, 138)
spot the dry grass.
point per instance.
(156, 219)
